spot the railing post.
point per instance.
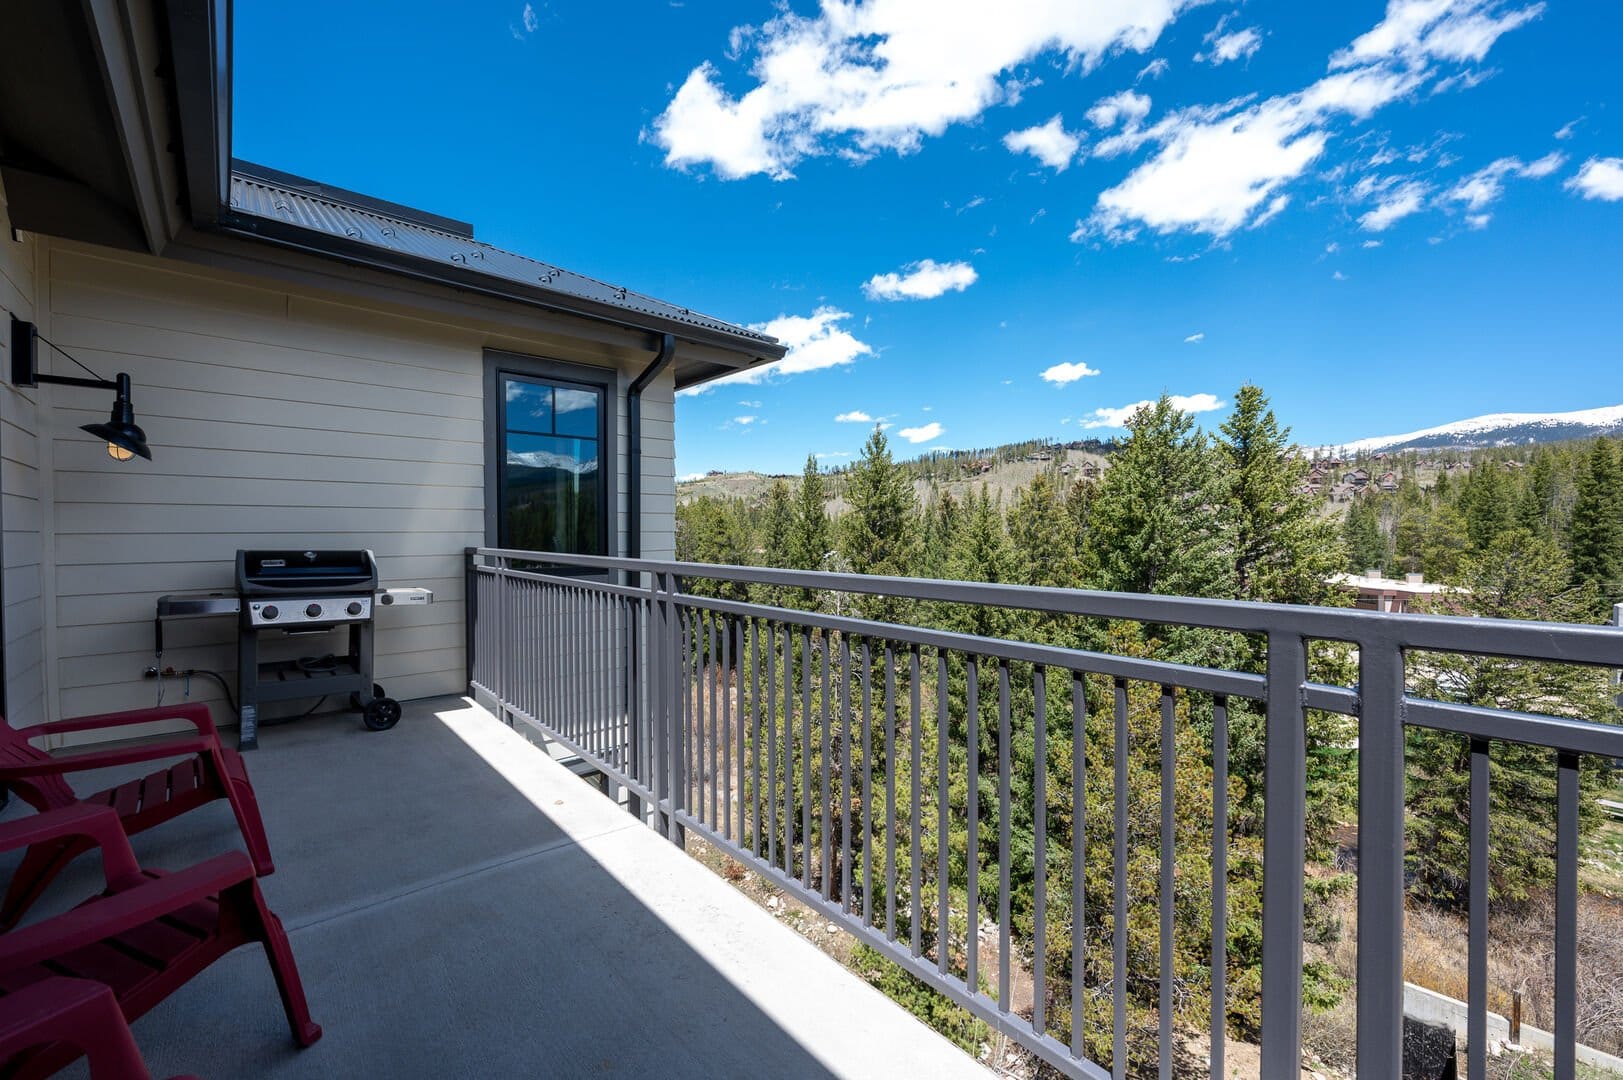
(636, 765)
(1380, 859)
(1284, 856)
(665, 686)
(470, 612)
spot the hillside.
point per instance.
(1006, 473)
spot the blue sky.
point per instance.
(1388, 215)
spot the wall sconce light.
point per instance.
(124, 439)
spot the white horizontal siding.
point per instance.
(277, 417)
(20, 497)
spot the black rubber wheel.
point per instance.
(381, 714)
(355, 701)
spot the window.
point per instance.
(551, 488)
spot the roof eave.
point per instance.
(751, 350)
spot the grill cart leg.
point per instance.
(247, 692)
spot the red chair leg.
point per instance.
(78, 1012)
(239, 792)
(39, 867)
(280, 954)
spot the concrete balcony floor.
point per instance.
(462, 905)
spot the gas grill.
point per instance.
(299, 593)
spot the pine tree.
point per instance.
(777, 527)
(1520, 576)
(1283, 550)
(980, 552)
(1597, 525)
(1156, 524)
(810, 534)
(1361, 532)
(880, 533)
(1043, 535)
(1487, 504)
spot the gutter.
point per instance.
(662, 360)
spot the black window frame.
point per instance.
(501, 365)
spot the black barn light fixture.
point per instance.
(124, 439)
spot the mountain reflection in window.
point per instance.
(552, 489)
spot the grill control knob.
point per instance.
(269, 611)
(354, 607)
(313, 611)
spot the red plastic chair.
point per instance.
(145, 937)
(211, 771)
(76, 1012)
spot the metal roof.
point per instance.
(357, 221)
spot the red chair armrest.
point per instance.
(195, 713)
(133, 905)
(103, 759)
(98, 824)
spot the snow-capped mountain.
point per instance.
(1499, 429)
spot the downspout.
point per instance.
(662, 360)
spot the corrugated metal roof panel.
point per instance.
(259, 197)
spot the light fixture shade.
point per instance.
(124, 436)
(120, 432)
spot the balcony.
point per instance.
(462, 905)
(836, 755)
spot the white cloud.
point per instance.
(750, 404)
(1061, 374)
(1371, 243)
(1049, 143)
(1599, 178)
(815, 342)
(745, 420)
(1154, 69)
(1239, 45)
(922, 434)
(1397, 201)
(1415, 31)
(688, 478)
(1484, 187)
(532, 21)
(1338, 276)
(855, 416)
(1127, 106)
(923, 280)
(1195, 339)
(1118, 417)
(1219, 168)
(860, 78)
(1564, 132)
(832, 454)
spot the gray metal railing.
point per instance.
(772, 733)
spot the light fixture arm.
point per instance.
(124, 439)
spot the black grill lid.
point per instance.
(262, 573)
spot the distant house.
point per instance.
(1377, 593)
(1357, 478)
(1388, 481)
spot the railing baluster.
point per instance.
(1004, 832)
(1566, 916)
(1166, 894)
(826, 803)
(972, 862)
(805, 757)
(771, 746)
(738, 714)
(1476, 1036)
(890, 791)
(726, 740)
(915, 851)
(788, 750)
(845, 784)
(1118, 931)
(755, 732)
(1039, 834)
(1220, 882)
(868, 842)
(1079, 827)
(942, 788)
(713, 738)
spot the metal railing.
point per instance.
(840, 757)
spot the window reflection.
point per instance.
(552, 486)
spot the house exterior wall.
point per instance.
(20, 491)
(279, 415)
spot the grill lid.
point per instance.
(271, 573)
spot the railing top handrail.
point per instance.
(1574, 643)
